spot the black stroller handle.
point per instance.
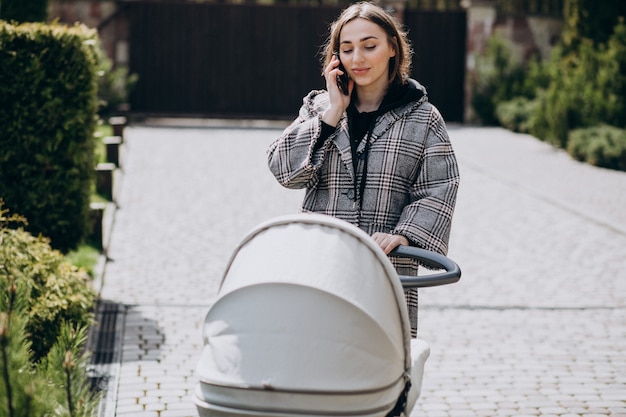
(431, 260)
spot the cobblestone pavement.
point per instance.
(535, 327)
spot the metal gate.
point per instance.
(253, 61)
(439, 40)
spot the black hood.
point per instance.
(397, 96)
(400, 95)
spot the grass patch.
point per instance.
(85, 257)
(102, 130)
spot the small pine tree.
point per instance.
(58, 384)
(65, 367)
(22, 394)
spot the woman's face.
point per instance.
(365, 53)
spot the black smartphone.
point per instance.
(342, 80)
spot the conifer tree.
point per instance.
(65, 367)
(22, 393)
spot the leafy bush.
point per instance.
(39, 378)
(517, 114)
(612, 75)
(55, 290)
(48, 96)
(587, 88)
(603, 146)
(582, 85)
(499, 79)
(590, 19)
(114, 87)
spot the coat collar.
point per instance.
(318, 100)
(385, 120)
(342, 142)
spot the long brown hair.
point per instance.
(399, 65)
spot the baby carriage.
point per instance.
(310, 320)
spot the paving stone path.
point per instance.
(535, 327)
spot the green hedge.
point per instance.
(48, 93)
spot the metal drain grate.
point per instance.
(103, 344)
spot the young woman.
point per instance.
(379, 156)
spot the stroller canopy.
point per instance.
(310, 318)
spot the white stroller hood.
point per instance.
(310, 320)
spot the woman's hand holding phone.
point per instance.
(335, 75)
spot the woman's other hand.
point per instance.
(389, 242)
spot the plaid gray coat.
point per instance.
(412, 173)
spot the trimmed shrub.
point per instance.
(54, 290)
(603, 146)
(48, 93)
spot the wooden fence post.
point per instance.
(96, 218)
(118, 124)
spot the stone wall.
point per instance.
(100, 14)
(525, 35)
